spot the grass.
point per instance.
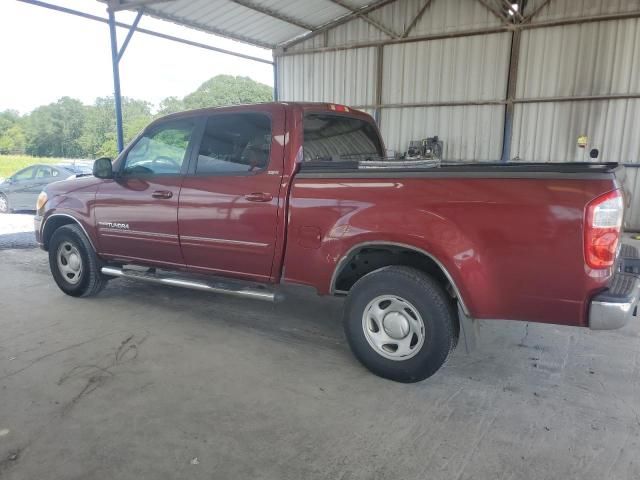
(10, 164)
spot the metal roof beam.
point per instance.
(465, 33)
(117, 5)
(535, 12)
(274, 14)
(88, 16)
(367, 19)
(494, 10)
(208, 29)
(508, 5)
(337, 22)
(129, 35)
(416, 19)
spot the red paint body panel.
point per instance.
(513, 247)
(152, 233)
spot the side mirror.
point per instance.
(102, 168)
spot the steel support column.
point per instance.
(276, 95)
(512, 82)
(379, 75)
(116, 80)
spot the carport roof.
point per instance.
(264, 23)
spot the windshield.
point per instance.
(329, 137)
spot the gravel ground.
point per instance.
(16, 231)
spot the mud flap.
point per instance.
(469, 331)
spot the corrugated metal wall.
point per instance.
(463, 69)
(598, 58)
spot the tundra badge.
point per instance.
(118, 226)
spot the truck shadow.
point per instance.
(303, 317)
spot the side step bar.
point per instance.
(227, 288)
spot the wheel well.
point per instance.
(51, 225)
(372, 257)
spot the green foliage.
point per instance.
(99, 136)
(228, 90)
(54, 130)
(12, 136)
(69, 129)
(170, 105)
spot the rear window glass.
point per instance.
(235, 143)
(337, 138)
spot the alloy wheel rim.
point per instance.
(69, 262)
(393, 327)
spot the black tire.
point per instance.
(432, 305)
(4, 204)
(90, 281)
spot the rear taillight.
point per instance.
(603, 222)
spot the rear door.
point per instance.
(229, 200)
(44, 175)
(136, 212)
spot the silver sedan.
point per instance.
(20, 191)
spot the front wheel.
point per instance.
(400, 323)
(73, 263)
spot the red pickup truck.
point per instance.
(242, 199)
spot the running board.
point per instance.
(225, 288)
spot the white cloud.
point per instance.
(47, 55)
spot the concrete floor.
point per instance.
(148, 382)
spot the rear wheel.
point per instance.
(400, 323)
(4, 203)
(73, 263)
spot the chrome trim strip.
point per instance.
(137, 232)
(170, 241)
(223, 241)
(236, 291)
(343, 260)
(44, 224)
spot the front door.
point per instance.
(19, 193)
(229, 200)
(136, 212)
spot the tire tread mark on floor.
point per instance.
(50, 354)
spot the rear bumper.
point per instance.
(614, 307)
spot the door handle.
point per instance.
(259, 197)
(162, 194)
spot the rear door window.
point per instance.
(46, 172)
(334, 138)
(235, 143)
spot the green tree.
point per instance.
(13, 140)
(99, 135)
(228, 90)
(54, 130)
(67, 128)
(12, 137)
(170, 105)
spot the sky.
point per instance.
(45, 55)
